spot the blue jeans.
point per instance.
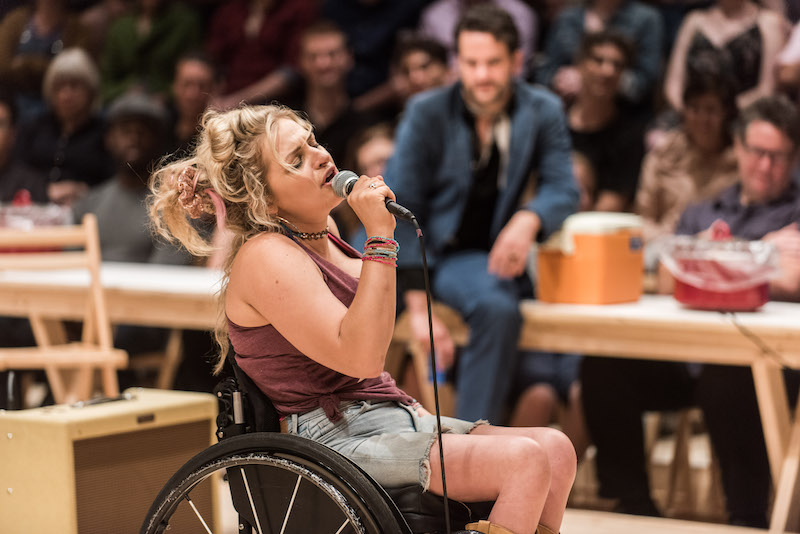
(490, 307)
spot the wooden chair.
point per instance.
(55, 248)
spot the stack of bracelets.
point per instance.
(381, 249)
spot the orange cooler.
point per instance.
(596, 258)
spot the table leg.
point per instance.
(786, 510)
(774, 409)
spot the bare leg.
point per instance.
(528, 472)
(573, 423)
(536, 406)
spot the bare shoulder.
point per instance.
(269, 253)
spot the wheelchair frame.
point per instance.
(290, 484)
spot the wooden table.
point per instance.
(656, 327)
(150, 295)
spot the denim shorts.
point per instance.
(388, 440)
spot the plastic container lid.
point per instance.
(593, 223)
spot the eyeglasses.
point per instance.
(776, 157)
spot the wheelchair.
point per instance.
(283, 483)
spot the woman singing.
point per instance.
(310, 319)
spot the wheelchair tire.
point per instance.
(267, 471)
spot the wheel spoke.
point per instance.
(346, 521)
(291, 504)
(252, 504)
(197, 513)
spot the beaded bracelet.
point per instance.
(381, 249)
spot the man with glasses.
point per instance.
(764, 205)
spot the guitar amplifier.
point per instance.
(96, 468)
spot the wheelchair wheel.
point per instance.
(278, 484)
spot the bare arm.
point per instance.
(786, 286)
(270, 86)
(674, 78)
(774, 31)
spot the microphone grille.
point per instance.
(343, 182)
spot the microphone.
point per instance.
(343, 183)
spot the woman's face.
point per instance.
(72, 100)
(704, 120)
(305, 193)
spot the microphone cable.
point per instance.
(421, 237)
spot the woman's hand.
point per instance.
(367, 201)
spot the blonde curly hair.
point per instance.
(229, 161)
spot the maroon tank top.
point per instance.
(294, 382)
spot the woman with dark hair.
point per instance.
(738, 37)
(692, 162)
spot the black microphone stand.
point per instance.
(421, 237)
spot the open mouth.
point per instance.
(329, 176)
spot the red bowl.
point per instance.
(747, 299)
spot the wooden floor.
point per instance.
(590, 522)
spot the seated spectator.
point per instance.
(763, 205)
(638, 22)
(731, 36)
(367, 153)
(141, 48)
(194, 85)
(135, 139)
(693, 162)
(603, 127)
(372, 27)
(98, 18)
(438, 22)
(256, 43)
(65, 144)
(788, 69)
(324, 63)
(30, 36)
(16, 178)
(418, 64)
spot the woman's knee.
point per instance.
(528, 459)
(561, 454)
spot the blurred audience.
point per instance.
(65, 143)
(141, 48)
(763, 205)
(324, 63)
(135, 138)
(195, 83)
(788, 69)
(418, 64)
(137, 127)
(731, 36)
(97, 21)
(16, 178)
(693, 162)
(30, 36)
(367, 153)
(256, 44)
(371, 27)
(605, 128)
(638, 22)
(438, 21)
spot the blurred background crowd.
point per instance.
(94, 93)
